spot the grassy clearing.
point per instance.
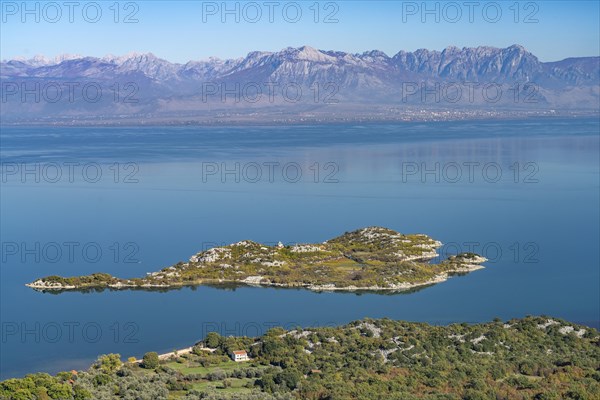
(187, 368)
(237, 385)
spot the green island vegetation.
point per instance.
(372, 258)
(537, 358)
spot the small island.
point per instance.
(368, 259)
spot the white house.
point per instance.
(239, 355)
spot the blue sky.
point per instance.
(192, 30)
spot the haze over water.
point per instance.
(166, 193)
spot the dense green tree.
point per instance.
(59, 391)
(213, 340)
(150, 360)
(80, 393)
(108, 363)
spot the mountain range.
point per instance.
(296, 82)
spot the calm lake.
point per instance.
(128, 201)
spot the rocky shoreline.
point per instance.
(259, 281)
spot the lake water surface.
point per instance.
(132, 200)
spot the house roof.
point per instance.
(240, 352)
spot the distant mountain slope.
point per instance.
(296, 80)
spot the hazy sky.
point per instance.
(192, 30)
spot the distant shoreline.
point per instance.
(322, 288)
(266, 284)
(305, 121)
